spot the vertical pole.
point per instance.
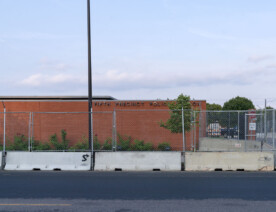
(29, 133)
(114, 134)
(228, 133)
(265, 125)
(32, 128)
(191, 131)
(4, 141)
(245, 132)
(194, 132)
(90, 115)
(273, 128)
(91, 140)
(183, 130)
(238, 125)
(115, 131)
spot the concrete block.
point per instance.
(69, 161)
(247, 161)
(228, 145)
(1, 158)
(138, 161)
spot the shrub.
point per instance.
(83, 144)
(20, 142)
(37, 145)
(64, 141)
(54, 141)
(96, 143)
(140, 145)
(124, 143)
(107, 144)
(63, 145)
(165, 146)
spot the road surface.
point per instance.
(137, 191)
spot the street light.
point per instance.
(90, 115)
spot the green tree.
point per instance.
(213, 116)
(174, 123)
(213, 106)
(238, 103)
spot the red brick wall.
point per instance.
(138, 119)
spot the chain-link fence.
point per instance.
(252, 130)
(139, 130)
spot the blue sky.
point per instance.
(141, 49)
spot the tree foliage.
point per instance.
(213, 106)
(174, 123)
(238, 103)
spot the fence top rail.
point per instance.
(56, 112)
(16, 112)
(136, 110)
(231, 111)
(72, 112)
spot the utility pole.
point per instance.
(90, 114)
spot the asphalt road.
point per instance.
(137, 191)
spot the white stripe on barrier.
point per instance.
(247, 161)
(48, 161)
(138, 161)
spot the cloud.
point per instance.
(43, 80)
(115, 79)
(36, 36)
(122, 81)
(259, 58)
(211, 35)
(271, 66)
(53, 65)
(125, 80)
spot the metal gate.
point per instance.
(255, 131)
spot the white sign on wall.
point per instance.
(252, 126)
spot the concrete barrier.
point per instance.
(48, 161)
(247, 161)
(137, 161)
(228, 145)
(1, 159)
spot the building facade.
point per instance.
(41, 117)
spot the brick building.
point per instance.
(41, 117)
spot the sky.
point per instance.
(208, 49)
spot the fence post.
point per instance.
(92, 140)
(29, 132)
(183, 131)
(265, 126)
(194, 131)
(32, 129)
(245, 131)
(238, 125)
(114, 132)
(273, 128)
(4, 141)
